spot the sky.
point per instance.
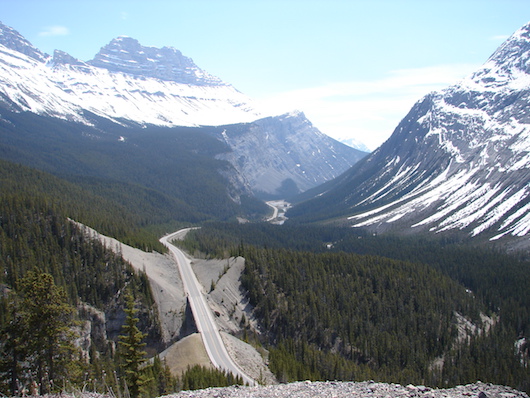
(354, 67)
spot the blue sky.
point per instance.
(354, 67)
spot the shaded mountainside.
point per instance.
(146, 89)
(284, 155)
(172, 169)
(459, 161)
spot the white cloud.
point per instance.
(55, 30)
(499, 37)
(365, 110)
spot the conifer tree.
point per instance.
(12, 343)
(132, 349)
(48, 336)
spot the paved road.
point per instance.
(203, 315)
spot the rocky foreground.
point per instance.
(353, 389)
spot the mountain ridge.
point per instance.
(10, 38)
(127, 55)
(458, 161)
(172, 92)
(133, 86)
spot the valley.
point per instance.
(296, 257)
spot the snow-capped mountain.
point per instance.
(125, 81)
(130, 84)
(355, 143)
(459, 161)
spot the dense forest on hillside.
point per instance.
(335, 303)
(37, 237)
(343, 304)
(162, 175)
(113, 218)
(39, 241)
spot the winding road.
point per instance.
(203, 315)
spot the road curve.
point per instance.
(202, 314)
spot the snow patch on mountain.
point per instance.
(461, 159)
(125, 81)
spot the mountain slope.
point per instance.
(122, 82)
(130, 85)
(171, 170)
(459, 161)
(284, 155)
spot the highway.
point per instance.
(204, 318)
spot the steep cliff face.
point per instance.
(127, 55)
(459, 161)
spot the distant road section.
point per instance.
(203, 315)
(279, 207)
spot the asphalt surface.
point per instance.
(204, 318)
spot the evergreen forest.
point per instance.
(162, 176)
(332, 303)
(344, 304)
(55, 277)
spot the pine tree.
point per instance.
(47, 328)
(132, 350)
(13, 344)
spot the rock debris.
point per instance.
(353, 389)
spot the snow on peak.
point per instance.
(126, 55)
(63, 58)
(509, 63)
(515, 51)
(125, 81)
(13, 40)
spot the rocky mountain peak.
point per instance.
(63, 58)
(515, 52)
(13, 40)
(459, 161)
(125, 54)
(508, 62)
(284, 155)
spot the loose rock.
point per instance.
(353, 389)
